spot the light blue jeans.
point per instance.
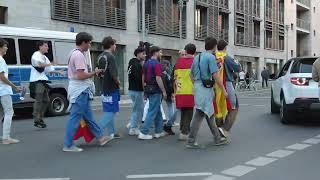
(81, 109)
(172, 111)
(137, 108)
(153, 115)
(107, 122)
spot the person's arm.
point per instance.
(113, 70)
(6, 81)
(214, 71)
(158, 72)
(233, 64)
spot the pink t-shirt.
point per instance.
(77, 62)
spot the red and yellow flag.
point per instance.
(221, 104)
(84, 131)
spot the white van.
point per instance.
(22, 44)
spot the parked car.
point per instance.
(294, 91)
(22, 44)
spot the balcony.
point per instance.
(161, 26)
(201, 32)
(86, 13)
(224, 35)
(303, 4)
(303, 26)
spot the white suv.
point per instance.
(294, 91)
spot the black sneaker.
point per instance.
(40, 125)
(168, 130)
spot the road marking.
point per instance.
(238, 170)
(218, 177)
(258, 105)
(143, 176)
(41, 179)
(261, 161)
(312, 141)
(280, 153)
(298, 146)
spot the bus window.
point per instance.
(11, 57)
(28, 47)
(63, 50)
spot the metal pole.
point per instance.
(287, 44)
(180, 22)
(143, 9)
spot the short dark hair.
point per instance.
(41, 43)
(107, 42)
(222, 44)
(139, 50)
(190, 49)
(154, 49)
(3, 43)
(83, 37)
(210, 43)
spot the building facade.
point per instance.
(303, 28)
(255, 29)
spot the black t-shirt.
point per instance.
(107, 61)
(135, 75)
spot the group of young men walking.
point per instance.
(200, 87)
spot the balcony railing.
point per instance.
(224, 35)
(224, 4)
(256, 40)
(160, 26)
(305, 2)
(89, 13)
(303, 24)
(201, 32)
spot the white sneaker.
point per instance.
(183, 137)
(159, 135)
(128, 125)
(176, 124)
(10, 141)
(72, 149)
(144, 137)
(134, 132)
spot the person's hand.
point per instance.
(98, 71)
(225, 93)
(62, 72)
(18, 89)
(165, 96)
(54, 63)
(173, 97)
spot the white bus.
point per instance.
(22, 44)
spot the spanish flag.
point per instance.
(221, 104)
(84, 131)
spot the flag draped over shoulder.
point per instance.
(84, 131)
(221, 103)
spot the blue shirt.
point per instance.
(231, 67)
(208, 66)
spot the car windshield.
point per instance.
(303, 66)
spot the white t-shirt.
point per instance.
(5, 89)
(36, 59)
(242, 75)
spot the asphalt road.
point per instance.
(261, 149)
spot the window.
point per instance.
(314, 9)
(303, 66)
(314, 54)
(285, 68)
(291, 1)
(291, 26)
(11, 57)
(291, 53)
(3, 15)
(28, 47)
(314, 32)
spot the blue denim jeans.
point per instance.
(153, 115)
(107, 121)
(81, 110)
(137, 108)
(172, 113)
